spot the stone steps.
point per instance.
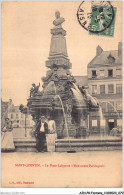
(25, 144)
(79, 145)
(89, 140)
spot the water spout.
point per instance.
(84, 96)
(102, 122)
(113, 107)
(51, 90)
(78, 96)
(66, 126)
(93, 100)
(101, 113)
(77, 89)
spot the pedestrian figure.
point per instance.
(51, 136)
(7, 143)
(41, 131)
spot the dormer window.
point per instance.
(110, 73)
(111, 59)
(94, 75)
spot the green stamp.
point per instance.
(97, 17)
(102, 20)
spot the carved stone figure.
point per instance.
(58, 21)
(68, 108)
(68, 85)
(34, 89)
(60, 88)
(83, 91)
(91, 101)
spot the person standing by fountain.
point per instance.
(51, 136)
(41, 131)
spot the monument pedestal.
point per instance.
(58, 51)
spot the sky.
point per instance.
(25, 43)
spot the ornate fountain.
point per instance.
(60, 98)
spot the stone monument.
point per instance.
(61, 98)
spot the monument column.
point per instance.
(58, 51)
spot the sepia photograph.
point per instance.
(61, 94)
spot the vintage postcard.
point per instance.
(61, 104)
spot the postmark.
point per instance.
(97, 17)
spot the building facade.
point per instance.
(105, 83)
(5, 106)
(17, 119)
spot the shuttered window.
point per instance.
(110, 88)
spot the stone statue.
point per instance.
(83, 91)
(91, 101)
(68, 107)
(58, 21)
(34, 89)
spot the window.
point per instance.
(17, 116)
(27, 122)
(110, 106)
(102, 89)
(118, 88)
(119, 105)
(4, 109)
(110, 73)
(118, 72)
(110, 88)
(111, 120)
(111, 59)
(119, 122)
(94, 74)
(102, 123)
(103, 105)
(102, 73)
(22, 122)
(94, 123)
(22, 115)
(94, 89)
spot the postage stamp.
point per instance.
(97, 17)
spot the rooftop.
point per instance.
(107, 58)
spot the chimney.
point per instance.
(119, 48)
(99, 50)
(10, 100)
